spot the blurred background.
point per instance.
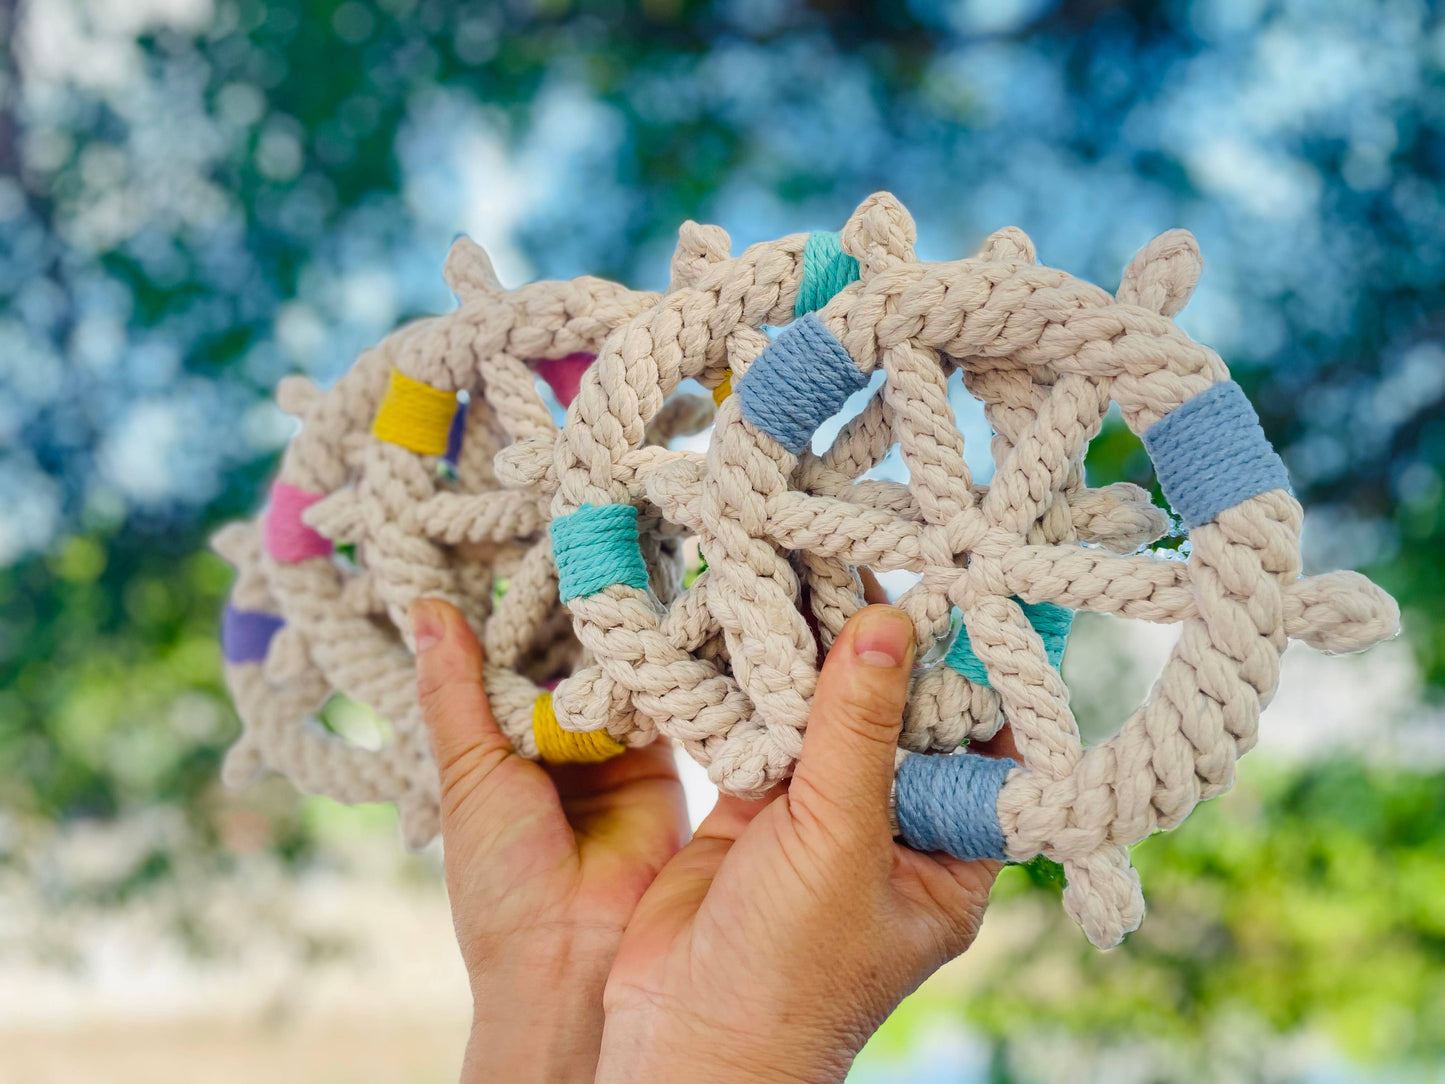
(198, 197)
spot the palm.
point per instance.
(768, 888)
(747, 870)
(573, 845)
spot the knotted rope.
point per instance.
(727, 666)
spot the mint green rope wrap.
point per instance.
(596, 547)
(1051, 622)
(826, 270)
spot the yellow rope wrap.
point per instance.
(558, 746)
(415, 415)
(723, 390)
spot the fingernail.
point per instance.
(426, 624)
(882, 637)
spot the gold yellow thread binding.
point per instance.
(558, 746)
(415, 415)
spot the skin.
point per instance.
(769, 948)
(544, 866)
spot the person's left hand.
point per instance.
(544, 865)
(779, 939)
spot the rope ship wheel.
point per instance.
(584, 525)
(481, 543)
(389, 492)
(1239, 597)
(303, 623)
(1047, 354)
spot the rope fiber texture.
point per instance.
(727, 667)
(364, 476)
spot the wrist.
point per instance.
(537, 1016)
(645, 1044)
(530, 1054)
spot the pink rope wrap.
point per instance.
(288, 539)
(564, 375)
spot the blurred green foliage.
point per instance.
(1311, 899)
(188, 203)
(1306, 903)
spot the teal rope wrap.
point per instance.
(1051, 622)
(950, 804)
(826, 270)
(596, 547)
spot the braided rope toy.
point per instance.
(392, 469)
(728, 666)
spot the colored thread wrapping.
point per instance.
(801, 379)
(564, 375)
(596, 547)
(1051, 622)
(558, 746)
(950, 804)
(287, 538)
(826, 270)
(1211, 454)
(780, 530)
(724, 389)
(415, 415)
(246, 634)
(456, 434)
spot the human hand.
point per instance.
(544, 865)
(782, 936)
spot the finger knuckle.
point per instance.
(430, 695)
(827, 825)
(441, 699)
(462, 775)
(871, 714)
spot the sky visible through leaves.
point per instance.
(198, 197)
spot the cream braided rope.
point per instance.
(728, 666)
(412, 529)
(1047, 354)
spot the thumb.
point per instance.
(846, 768)
(464, 734)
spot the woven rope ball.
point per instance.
(586, 523)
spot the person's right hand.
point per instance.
(782, 936)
